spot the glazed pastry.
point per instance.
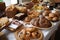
(55, 19)
(3, 21)
(31, 29)
(41, 22)
(31, 15)
(49, 18)
(27, 19)
(46, 13)
(36, 34)
(10, 11)
(30, 34)
(34, 14)
(52, 15)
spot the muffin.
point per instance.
(10, 11)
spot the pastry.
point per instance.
(46, 8)
(35, 1)
(20, 16)
(27, 19)
(55, 19)
(29, 5)
(2, 6)
(46, 13)
(10, 11)
(52, 15)
(41, 22)
(3, 21)
(21, 9)
(37, 7)
(33, 14)
(49, 18)
(26, 34)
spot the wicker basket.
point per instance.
(17, 38)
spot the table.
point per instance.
(47, 33)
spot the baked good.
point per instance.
(57, 13)
(41, 22)
(20, 16)
(3, 21)
(10, 11)
(28, 35)
(46, 8)
(27, 19)
(35, 1)
(21, 9)
(37, 7)
(29, 5)
(2, 6)
(49, 18)
(33, 14)
(55, 19)
(52, 15)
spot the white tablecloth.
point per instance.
(46, 33)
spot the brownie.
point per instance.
(20, 16)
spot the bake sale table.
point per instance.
(47, 33)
